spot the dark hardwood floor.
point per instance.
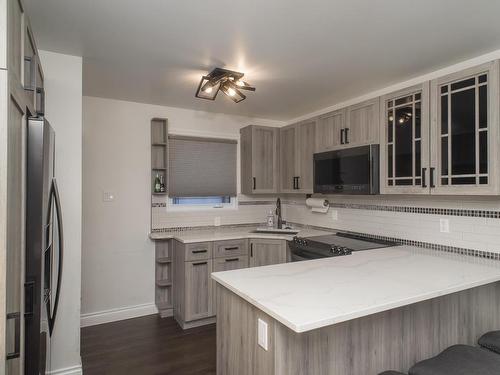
(148, 345)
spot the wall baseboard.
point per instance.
(113, 315)
(73, 370)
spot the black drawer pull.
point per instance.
(232, 260)
(200, 263)
(231, 248)
(432, 177)
(199, 251)
(342, 136)
(346, 132)
(424, 172)
(17, 335)
(254, 183)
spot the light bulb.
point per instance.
(391, 118)
(208, 90)
(231, 92)
(401, 120)
(240, 83)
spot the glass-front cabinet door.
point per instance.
(465, 125)
(404, 132)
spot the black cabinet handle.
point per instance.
(346, 132)
(293, 182)
(199, 251)
(40, 101)
(432, 177)
(424, 172)
(297, 184)
(342, 136)
(231, 248)
(17, 335)
(254, 183)
(200, 264)
(251, 250)
(232, 260)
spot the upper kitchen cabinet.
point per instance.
(362, 123)
(259, 159)
(330, 130)
(404, 141)
(297, 147)
(464, 132)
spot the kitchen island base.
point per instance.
(394, 339)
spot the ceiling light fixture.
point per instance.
(227, 81)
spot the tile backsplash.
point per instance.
(474, 222)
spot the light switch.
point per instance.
(444, 225)
(262, 334)
(108, 196)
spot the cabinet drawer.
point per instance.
(230, 248)
(198, 251)
(230, 263)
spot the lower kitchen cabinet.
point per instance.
(264, 252)
(194, 291)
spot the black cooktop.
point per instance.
(333, 245)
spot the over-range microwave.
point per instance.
(348, 171)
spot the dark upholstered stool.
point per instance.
(391, 373)
(491, 341)
(460, 360)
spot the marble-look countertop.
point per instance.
(221, 234)
(313, 294)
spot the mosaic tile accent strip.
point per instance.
(240, 203)
(426, 245)
(158, 205)
(421, 210)
(203, 227)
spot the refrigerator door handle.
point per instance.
(55, 194)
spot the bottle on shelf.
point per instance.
(157, 187)
(162, 184)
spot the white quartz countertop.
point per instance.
(203, 235)
(313, 294)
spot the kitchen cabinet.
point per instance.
(404, 141)
(330, 130)
(297, 147)
(230, 248)
(259, 159)
(198, 292)
(464, 132)
(264, 252)
(193, 292)
(362, 123)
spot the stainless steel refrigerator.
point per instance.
(44, 247)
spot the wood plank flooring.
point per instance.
(148, 346)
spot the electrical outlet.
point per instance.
(335, 215)
(108, 196)
(217, 221)
(262, 334)
(444, 225)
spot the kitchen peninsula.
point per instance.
(358, 314)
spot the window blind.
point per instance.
(201, 167)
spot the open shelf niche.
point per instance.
(159, 152)
(163, 277)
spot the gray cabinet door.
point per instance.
(362, 123)
(198, 290)
(329, 130)
(230, 263)
(265, 159)
(404, 141)
(259, 159)
(306, 144)
(264, 252)
(288, 158)
(465, 132)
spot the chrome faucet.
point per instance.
(278, 214)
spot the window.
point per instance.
(202, 172)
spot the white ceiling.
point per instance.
(301, 55)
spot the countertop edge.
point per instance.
(355, 314)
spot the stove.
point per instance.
(332, 245)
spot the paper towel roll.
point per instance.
(318, 205)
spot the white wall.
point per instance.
(118, 257)
(63, 86)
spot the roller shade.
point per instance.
(201, 167)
